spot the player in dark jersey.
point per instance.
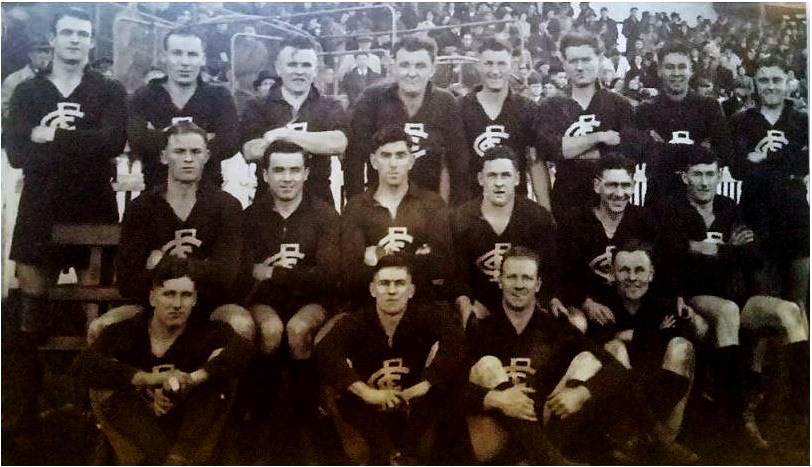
(647, 334)
(711, 255)
(493, 115)
(577, 130)
(678, 116)
(291, 243)
(182, 95)
(165, 383)
(772, 160)
(392, 363)
(485, 227)
(295, 112)
(587, 236)
(395, 216)
(535, 378)
(64, 127)
(186, 219)
(429, 115)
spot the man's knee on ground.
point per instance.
(584, 366)
(488, 372)
(617, 348)
(113, 316)
(728, 317)
(782, 316)
(679, 354)
(238, 318)
(488, 437)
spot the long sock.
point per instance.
(303, 392)
(798, 356)
(665, 389)
(728, 372)
(33, 313)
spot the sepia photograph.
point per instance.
(405, 233)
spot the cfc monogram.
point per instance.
(388, 377)
(774, 141)
(183, 243)
(491, 137)
(490, 262)
(64, 116)
(585, 125)
(519, 369)
(417, 133)
(681, 137)
(602, 264)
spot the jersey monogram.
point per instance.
(396, 239)
(681, 137)
(182, 245)
(417, 133)
(585, 125)
(601, 265)
(491, 262)
(774, 141)
(64, 116)
(494, 135)
(388, 377)
(519, 370)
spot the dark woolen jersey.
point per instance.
(478, 249)
(358, 349)
(585, 252)
(317, 113)
(309, 237)
(693, 120)
(67, 179)
(513, 127)
(210, 237)
(538, 357)
(725, 275)
(420, 227)
(124, 348)
(562, 116)
(210, 107)
(435, 131)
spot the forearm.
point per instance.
(574, 146)
(319, 142)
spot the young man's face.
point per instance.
(675, 72)
(285, 175)
(632, 272)
(519, 281)
(772, 85)
(413, 70)
(173, 301)
(184, 57)
(73, 40)
(392, 289)
(297, 69)
(701, 181)
(498, 179)
(536, 89)
(615, 189)
(581, 64)
(186, 154)
(393, 161)
(559, 79)
(494, 69)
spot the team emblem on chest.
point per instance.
(585, 125)
(681, 137)
(774, 141)
(519, 369)
(388, 377)
(417, 133)
(64, 116)
(602, 264)
(184, 242)
(491, 262)
(493, 136)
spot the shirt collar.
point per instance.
(275, 94)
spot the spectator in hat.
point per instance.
(364, 44)
(39, 57)
(104, 66)
(265, 80)
(742, 97)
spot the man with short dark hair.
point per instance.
(395, 216)
(576, 130)
(678, 116)
(631, 27)
(295, 112)
(359, 77)
(494, 115)
(64, 128)
(167, 380)
(392, 363)
(485, 227)
(182, 95)
(430, 116)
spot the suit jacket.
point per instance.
(353, 83)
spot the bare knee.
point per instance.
(727, 316)
(302, 328)
(488, 372)
(617, 349)
(584, 366)
(238, 318)
(577, 318)
(791, 321)
(270, 329)
(679, 350)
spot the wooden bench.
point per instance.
(98, 288)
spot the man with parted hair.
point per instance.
(493, 115)
(295, 112)
(485, 227)
(185, 219)
(536, 379)
(430, 116)
(710, 257)
(164, 381)
(64, 127)
(392, 363)
(395, 216)
(182, 95)
(575, 131)
(678, 116)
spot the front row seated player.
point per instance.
(185, 219)
(712, 256)
(537, 381)
(162, 384)
(647, 334)
(391, 363)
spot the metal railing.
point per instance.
(392, 11)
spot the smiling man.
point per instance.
(65, 126)
(295, 112)
(430, 116)
(678, 116)
(181, 95)
(575, 131)
(167, 379)
(493, 115)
